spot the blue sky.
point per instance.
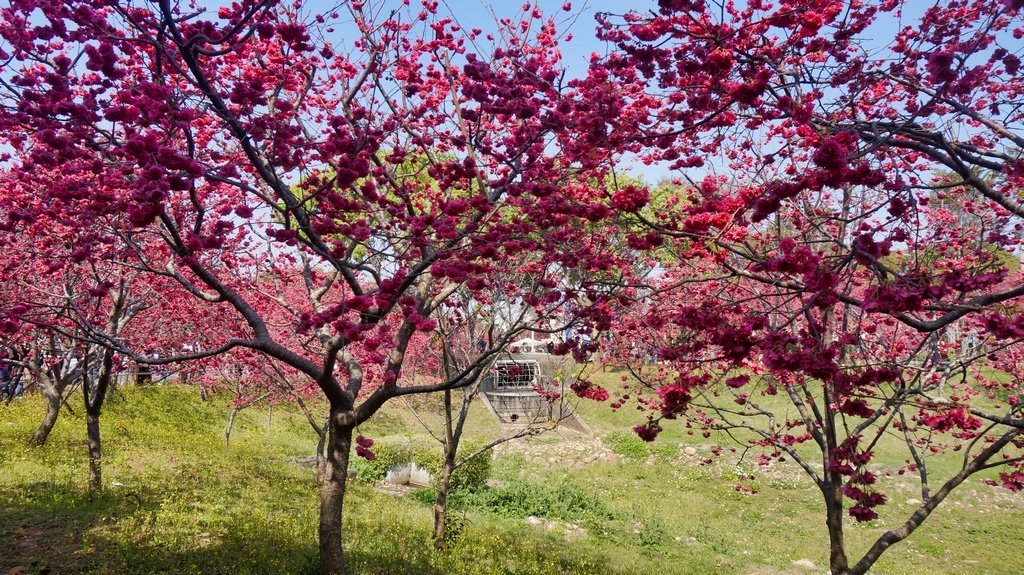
(579, 21)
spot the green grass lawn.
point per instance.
(178, 500)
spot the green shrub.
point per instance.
(388, 452)
(519, 498)
(627, 444)
(472, 475)
(425, 496)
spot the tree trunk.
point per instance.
(441, 504)
(230, 425)
(451, 446)
(94, 393)
(53, 405)
(332, 494)
(321, 457)
(834, 521)
(92, 426)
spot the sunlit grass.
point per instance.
(178, 500)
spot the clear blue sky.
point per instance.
(579, 21)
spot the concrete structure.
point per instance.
(521, 387)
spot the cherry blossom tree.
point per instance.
(817, 256)
(261, 142)
(62, 312)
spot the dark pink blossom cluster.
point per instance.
(589, 390)
(944, 420)
(363, 445)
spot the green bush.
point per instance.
(471, 475)
(519, 498)
(425, 496)
(388, 452)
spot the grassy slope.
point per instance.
(974, 531)
(182, 502)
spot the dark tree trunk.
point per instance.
(441, 504)
(832, 483)
(54, 401)
(834, 521)
(92, 426)
(332, 494)
(94, 393)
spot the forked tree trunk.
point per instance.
(54, 401)
(94, 394)
(332, 495)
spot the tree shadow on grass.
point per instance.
(41, 525)
(57, 529)
(403, 547)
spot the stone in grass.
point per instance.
(573, 531)
(570, 530)
(805, 564)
